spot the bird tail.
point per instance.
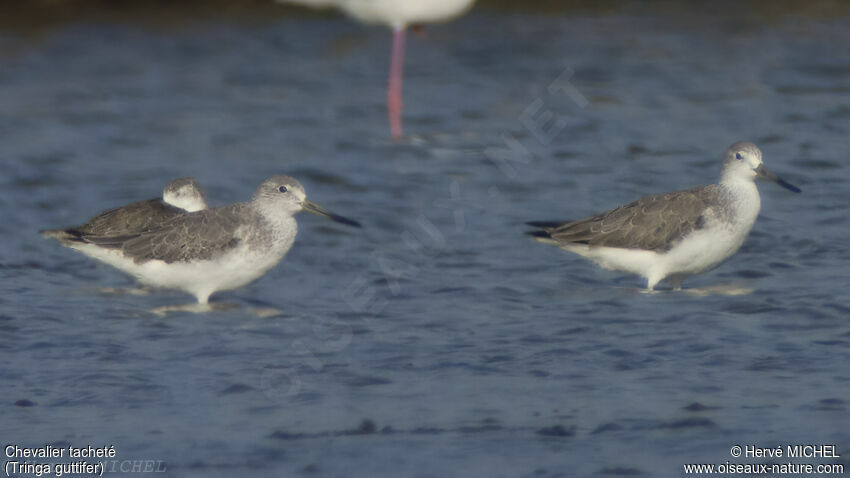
(63, 235)
(544, 233)
(71, 235)
(545, 224)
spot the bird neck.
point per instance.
(744, 196)
(276, 218)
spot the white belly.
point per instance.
(396, 13)
(635, 261)
(700, 252)
(199, 278)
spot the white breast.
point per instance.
(722, 236)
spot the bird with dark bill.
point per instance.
(214, 249)
(672, 235)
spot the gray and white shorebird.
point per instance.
(672, 235)
(180, 196)
(214, 249)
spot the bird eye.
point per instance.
(282, 189)
(738, 156)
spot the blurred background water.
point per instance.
(437, 340)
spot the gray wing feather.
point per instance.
(133, 218)
(201, 235)
(654, 222)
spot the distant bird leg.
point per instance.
(394, 102)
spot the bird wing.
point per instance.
(201, 235)
(132, 218)
(655, 222)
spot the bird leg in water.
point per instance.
(394, 103)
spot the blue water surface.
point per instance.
(438, 340)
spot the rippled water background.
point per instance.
(437, 340)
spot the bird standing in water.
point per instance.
(398, 15)
(672, 235)
(213, 249)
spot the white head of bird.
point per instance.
(281, 197)
(743, 162)
(185, 193)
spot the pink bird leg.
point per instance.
(394, 103)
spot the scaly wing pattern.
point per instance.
(133, 218)
(202, 235)
(655, 222)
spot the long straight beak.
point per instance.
(320, 211)
(762, 172)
